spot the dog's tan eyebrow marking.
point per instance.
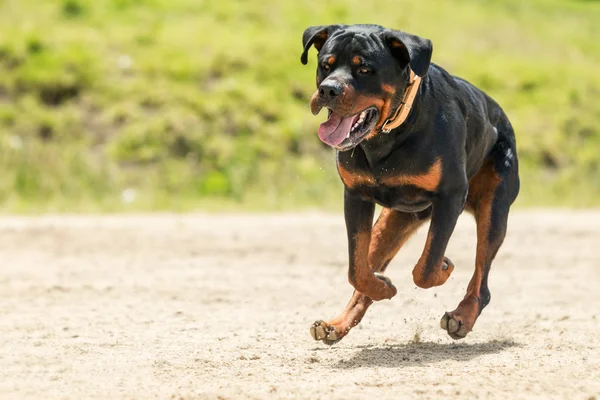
(331, 60)
(356, 60)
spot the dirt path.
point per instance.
(202, 306)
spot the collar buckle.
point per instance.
(384, 129)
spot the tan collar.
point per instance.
(405, 106)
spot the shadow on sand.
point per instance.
(419, 354)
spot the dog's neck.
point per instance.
(405, 106)
(380, 146)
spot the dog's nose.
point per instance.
(330, 90)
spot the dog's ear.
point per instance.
(410, 50)
(316, 35)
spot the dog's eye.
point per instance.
(326, 67)
(364, 71)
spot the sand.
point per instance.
(219, 307)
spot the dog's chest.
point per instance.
(354, 176)
(391, 189)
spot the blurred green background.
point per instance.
(122, 105)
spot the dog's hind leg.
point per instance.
(391, 231)
(491, 192)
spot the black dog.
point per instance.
(421, 143)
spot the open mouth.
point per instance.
(344, 133)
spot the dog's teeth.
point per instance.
(359, 121)
(362, 117)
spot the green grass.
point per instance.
(204, 104)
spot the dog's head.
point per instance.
(362, 73)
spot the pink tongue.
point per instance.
(335, 129)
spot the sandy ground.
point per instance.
(200, 306)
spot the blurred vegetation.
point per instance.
(114, 105)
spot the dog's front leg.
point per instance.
(359, 221)
(433, 269)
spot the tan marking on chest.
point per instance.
(354, 179)
(429, 180)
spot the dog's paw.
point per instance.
(385, 279)
(378, 287)
(447, 265)
(460, 322)
(434, 278)
(322, 331)
(454, 326)
(445, 271)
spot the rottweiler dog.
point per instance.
(423, 144)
